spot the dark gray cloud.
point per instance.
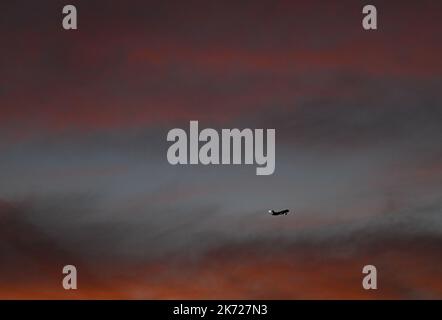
(364, 112)
(143, 228)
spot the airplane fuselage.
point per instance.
(279, 213)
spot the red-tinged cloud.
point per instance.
(167, 259)
(128, 67)
(83, 174)
(410, 273)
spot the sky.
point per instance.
(84, 178)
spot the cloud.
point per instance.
(84, 178)
(249, 255)
(144, 64)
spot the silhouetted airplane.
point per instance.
(279, 213)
